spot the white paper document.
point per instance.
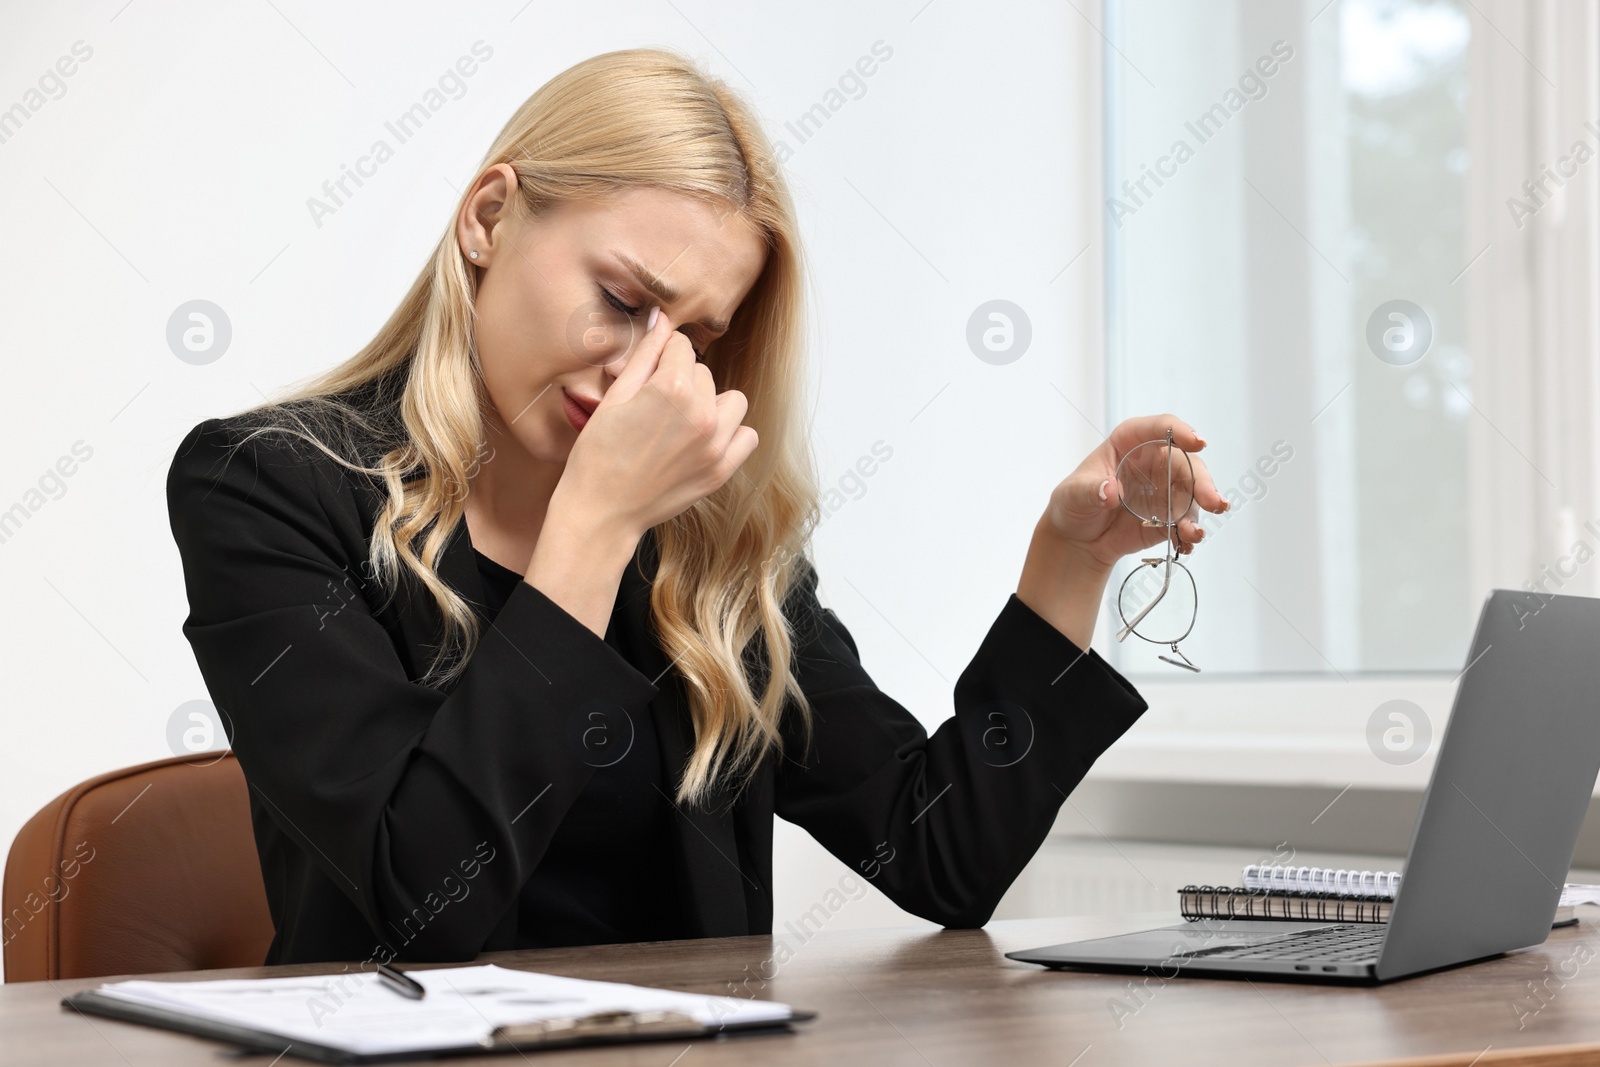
(355, 1012)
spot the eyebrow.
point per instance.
(661, 290)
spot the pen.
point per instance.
(400, 982)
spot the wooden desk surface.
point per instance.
(907, 996)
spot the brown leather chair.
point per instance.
(150, 868)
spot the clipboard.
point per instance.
(594, 1028)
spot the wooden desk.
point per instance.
(907, 996)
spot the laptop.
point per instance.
(1492, 844)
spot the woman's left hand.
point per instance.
(1086, 511)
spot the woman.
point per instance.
(509, 614)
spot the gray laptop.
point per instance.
(1493, 841)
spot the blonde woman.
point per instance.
(509, 615)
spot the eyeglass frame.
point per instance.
(1172, 540)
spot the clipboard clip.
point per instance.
(597, 1026)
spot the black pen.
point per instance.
(400, 982)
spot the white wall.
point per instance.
(176, 165)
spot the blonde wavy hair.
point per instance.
(412, 400)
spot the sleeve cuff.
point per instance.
(1025, 659)
(546, 633)
(1040, 642)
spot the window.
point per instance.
(1277, 180)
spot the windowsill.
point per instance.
(1274, 731)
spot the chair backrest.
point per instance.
(150, 868)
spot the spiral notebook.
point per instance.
(1323, 894)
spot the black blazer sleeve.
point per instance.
(389, 785)
(943, 824)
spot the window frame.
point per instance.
(1533, 333)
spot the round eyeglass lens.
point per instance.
(1144, 474)
(1167, 590)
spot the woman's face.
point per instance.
(563, 298)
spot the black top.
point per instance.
(400, 819)
(580, 894)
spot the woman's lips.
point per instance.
(577, 413)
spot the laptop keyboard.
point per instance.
(1346, 943)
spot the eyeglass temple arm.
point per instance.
(1166, 572)
(1181, 661)
(1166, 580)
(1169, 477)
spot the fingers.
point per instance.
(739, 449)
(1190, 533)
(677, 354)
(665, 356)
(1130, 433)
(731, 438)
(1088, 493)
(723, 412)
(642, 363)
(731, 409)
(1109, 493)
(1206, 493)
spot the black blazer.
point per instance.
(398, 820)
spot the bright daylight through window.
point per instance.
(1285, 231)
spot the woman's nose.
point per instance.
(635, 338)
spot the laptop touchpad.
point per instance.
(1191, 937)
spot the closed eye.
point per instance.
(619, 305)
(633, 312)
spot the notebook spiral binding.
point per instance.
(1197, 902)
(1353, 883)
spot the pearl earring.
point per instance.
(473, 253)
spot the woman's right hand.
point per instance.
(661, 439)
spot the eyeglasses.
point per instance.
(1158, 601)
